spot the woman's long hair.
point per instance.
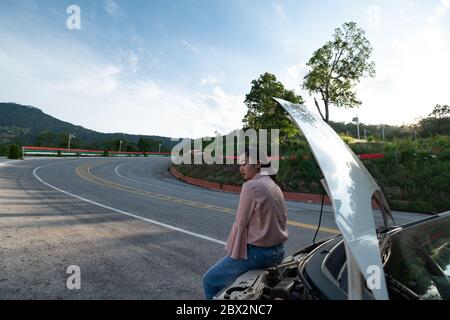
(251, 151)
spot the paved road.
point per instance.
(134, 231)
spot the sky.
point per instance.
(182, 68)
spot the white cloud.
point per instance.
(220, 111)
(72, 83)
(133, 61)
(190, 47)
(283, 31)
(292, 77)
(129, 60)
(440, 12)
(111, 8)
(280, 14)
(211, 80)
(208, 80)
(373, 17)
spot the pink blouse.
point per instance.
(260, 219)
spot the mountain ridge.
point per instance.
(29, 125)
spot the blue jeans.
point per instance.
(226, 270)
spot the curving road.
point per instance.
(134, 231)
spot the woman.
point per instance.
(256, 240)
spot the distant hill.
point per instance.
(27, 125)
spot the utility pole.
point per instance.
(159, 149)
(120, 145)
(382, 130)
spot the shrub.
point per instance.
(15, 152)
(3, 150)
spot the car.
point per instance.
(365, 261)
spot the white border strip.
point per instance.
(126, 213)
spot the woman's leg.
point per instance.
(223, 273)
(226, 270)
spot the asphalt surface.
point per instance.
(134, 231)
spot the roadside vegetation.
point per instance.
(414, 174)
(14, 152)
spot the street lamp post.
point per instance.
(70, 138)
(356, 119)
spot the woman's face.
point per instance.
(246, 169)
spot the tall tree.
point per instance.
(143, 145)
(437, 123)
(338, 66)
(440, 111)
(263, 112)
(45, 139)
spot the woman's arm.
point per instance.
(237, 240)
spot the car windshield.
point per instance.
(418, 258)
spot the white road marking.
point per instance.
(124, 212)
(6, 162)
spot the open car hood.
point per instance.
(350, 188)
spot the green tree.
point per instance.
(149, 145)
(263, 112)
(131, 147)
(15, 152)
(143, 145)
(440, 111)
(437, 123)
(338, 66)
(3, 150)
(46, 139)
